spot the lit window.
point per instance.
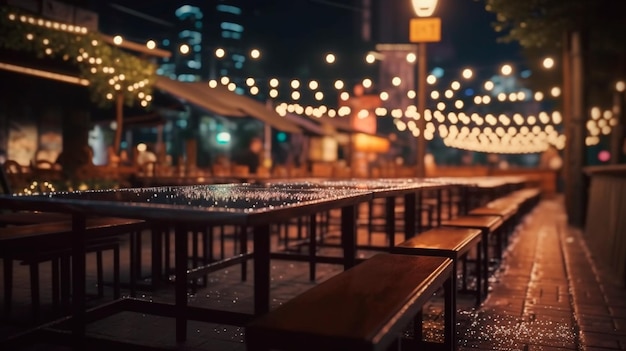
(229, 9)
(231, 26)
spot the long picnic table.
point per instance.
(233, 204)
(255, 206)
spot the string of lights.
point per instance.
(110, 71)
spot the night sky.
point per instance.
(295, 33)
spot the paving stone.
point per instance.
(592, 339)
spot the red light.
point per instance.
(604, 155)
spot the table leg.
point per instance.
(439, 199)
(181, 246)
(348, 235)
(409, 215)
(78, 280)
(157, 255)
(261, 269)
(243, 243)
(390, 220)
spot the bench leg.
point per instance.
(34, 290)
(167, 252)
(464, 272)
(65, 283)
(137, 253)
(56, 276)
(479, 272)
(133, 264)
(8, 285)
(486, 266)
(116, 272)
(99, 274)
(450, 311)
(418, 332)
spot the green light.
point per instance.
(281, 137)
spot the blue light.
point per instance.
(525, 73)
(437, 72)
(469, 92)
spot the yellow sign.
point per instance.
(422, 30)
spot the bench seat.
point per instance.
(454, 243)
(489, 225)
(366, 307)
(508, 210)
(27, 217)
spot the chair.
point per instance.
(15, 177)
(44, 170)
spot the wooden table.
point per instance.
(385, 188)
(229, 204)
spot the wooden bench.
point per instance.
(530, 197)
(50, 241)
(454, 243)
(367, 307)
(489, 225)
(505, 209)
(27, 217)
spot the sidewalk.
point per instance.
(547, 295)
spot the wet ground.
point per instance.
(548, 293)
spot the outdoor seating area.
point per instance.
(312, 175)
(152, 237)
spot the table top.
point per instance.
(382, 187)
(244, 204)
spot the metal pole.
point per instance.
(119, 118)
(618, 130)
(575, 194)
(420, 103)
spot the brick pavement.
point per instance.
(548, 294)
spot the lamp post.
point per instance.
(422, 30)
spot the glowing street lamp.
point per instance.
(184, 49)
(422, 30)
(424, 8)
(330, 58)
(548, 62)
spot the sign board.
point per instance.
(423, 30)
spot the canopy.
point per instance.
(221, 101)
(308, 125)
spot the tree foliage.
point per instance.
(541, 26)
(108, 69)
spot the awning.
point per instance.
(308, 125)
(223, 102)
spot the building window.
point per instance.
(229, 9)
(231, 26)
(187, 11)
